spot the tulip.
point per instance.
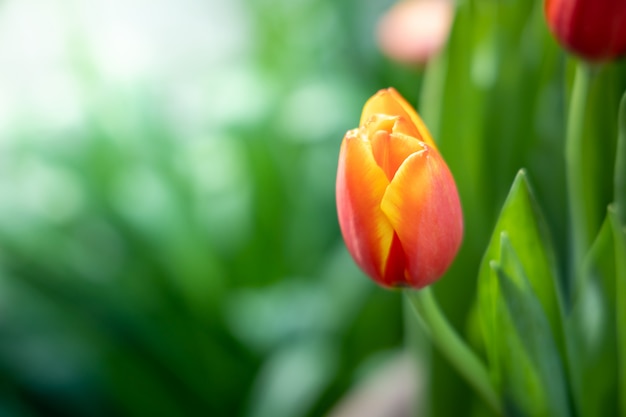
(397, 201)
(592, 29)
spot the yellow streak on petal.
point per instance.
(390, 150)
(361, 184)
(423, 208)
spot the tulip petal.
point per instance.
(395, 124)
(595, 30)
(361, 184)
(423, 207)
(390, 102)
(390, 150)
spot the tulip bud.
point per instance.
(397, 201)
(592, 29)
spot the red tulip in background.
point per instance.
(397, 201)
(592, 29)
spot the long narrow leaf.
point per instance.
(619, 234)
(536, 379)
(521, 220)
(590, 331)
(528, 371)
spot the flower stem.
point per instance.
(619, 194)
(580, 233)
(447, 340)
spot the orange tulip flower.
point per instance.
(397, 201)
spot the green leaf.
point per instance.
(599, 125)
(521, 220)
(590, 328)
(619, 234)
(531, 359)
(528, 257)
(619, 192)
(497, 52)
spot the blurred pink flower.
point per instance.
(413, 31)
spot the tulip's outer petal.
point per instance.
(360, 187)
(390, 150)
(390, 102)
(422, 205)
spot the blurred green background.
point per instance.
(168, 236)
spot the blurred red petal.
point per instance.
(592, 29)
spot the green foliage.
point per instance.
(600, 125)
(590, 328)
(495, 101)
(157, 258)
(520, 309)
(619, 236)
(174, 250)
(491, 100)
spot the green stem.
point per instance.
(580, 233)
(619, 194)
(462, 357)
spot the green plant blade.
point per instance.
(497, 52)
(518, 369)
(619, 235)
(619, 193)
(532, 361)
(521, 220)
(590, 330)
